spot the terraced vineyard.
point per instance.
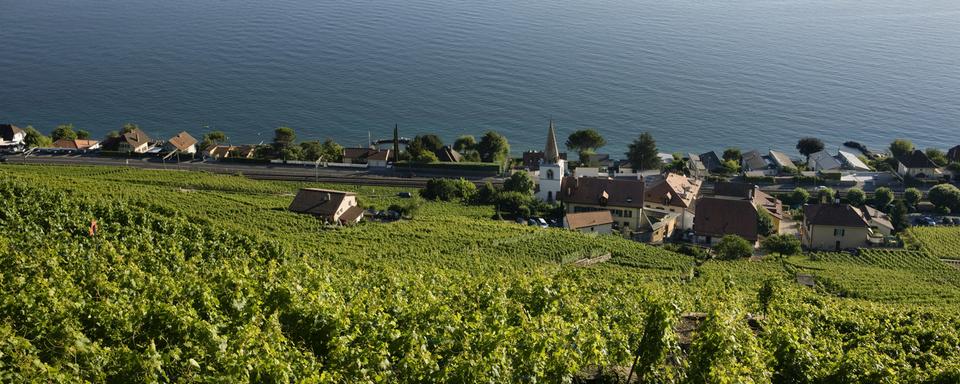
(201, 278)
(941, 242)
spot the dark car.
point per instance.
(405, 195)
(924, 222)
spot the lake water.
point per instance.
(698, 74)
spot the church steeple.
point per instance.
(551, 155)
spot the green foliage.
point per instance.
(585, 141)
(732, 247)
(726, 351)
(941, 242)
(882, 197)
(213, 138)
(945, 195)
(765, 225)
(784, 245)
(799, 196)
(900, 147)
(129, 127)
(826, 195)
(732, 154)
(642, 153)
(912, 197)
(465, 143)
(493, 148)
(938, 157)
(856, 197)
(83, 134)
(34, 139)
(283, 138)
(423, 156)
(731, 167)
(809, 145)
(423, 148)
(63, 132)
(328, 150)
(519, 181)
(898, 216)
(448, 190)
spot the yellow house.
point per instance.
(623, 198)
(835, 227)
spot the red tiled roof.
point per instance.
(588, 219)
(602, 191)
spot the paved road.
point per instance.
(254, 171)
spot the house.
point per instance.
(852, 162)
(734, 209)
(600, 222)
(553, 169)
(77, 144)
(954, 154)
(917, 165)
(696, 167)
(835, 227)
(332, 206)
(12, 138)
(357, 155)
(782, 161)
(673, 193)
(229, 151)
(532, 159)
(754, 161)
(600, 160)
(711, 161)
(623, 198)
(447, 154)
(379, 159)
(823, 161)
(879, 221)
(134, 141)
(181, 143)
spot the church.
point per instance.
(552, 169)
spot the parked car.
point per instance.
(924, 221)
(405, 195)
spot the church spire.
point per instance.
(551, 155)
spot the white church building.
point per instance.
(552, 170)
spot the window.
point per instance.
(839, 232)
(549, 174)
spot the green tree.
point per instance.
(63, 132)
(900, 147)
(493, 147)
(34, 139)
(129, 127)
(799, 196)
(730, 167)
(83, 134)
(732, 247)
(826, 195)
(642, 153)
(912, 197)
(449, 190)
(938, 157)
(585, 142)
(213, 138)
(784, 245)
(431, 143)
(465, 143)
(283, 137)
(945, 196)
(809, 145)
(725, 350)
(486, 193)
(519, 181)
(898, 216)
(657, 342)
(882, 197)
(732, 154)
(396, 143)
(856, 197)
(764, 222)
(421, 155)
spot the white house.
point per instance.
(852, 162)
(552, 169)
(918, 165)
(781, 160)
(336, 207)
(11, 138)
(823, 161)
(182, 143)
(379, 159)
(134, 141)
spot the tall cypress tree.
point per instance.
(396, 143)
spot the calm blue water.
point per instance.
(698, 74)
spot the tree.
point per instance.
(764, 222)
(732, 154)
(900, 147)
(213, 138)
(826, 195)
(912, 197)
(83, 134)
(465, 143)
(809, 145)
(945, 196)
(731, 167)
(423, 156)
(34, 139)
(642, 153)
(486, 193)
(882, 197)
(448, 190)
(898, 216)
(519, 181)
(396, 143)
(799, 196)
(585, 142)
(427, 142)
(783, 245)
(493, 147)
(63, 132)
(732, 247)
(113, 135)
(284, 137)
(129, 127)
(938, 157)
(856, 197)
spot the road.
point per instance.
(253, 171)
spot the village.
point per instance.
(845, 199)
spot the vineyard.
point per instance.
(192, 277)
(941, 242)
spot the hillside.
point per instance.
(197, 277)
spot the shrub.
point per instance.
(782, 245)
(448, 190)
(732, 247)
